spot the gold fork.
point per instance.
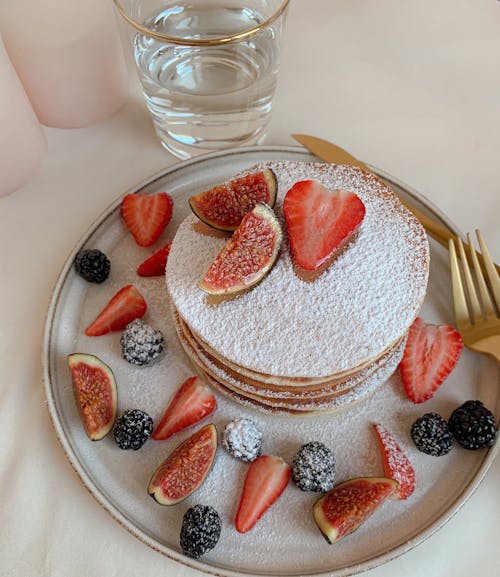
(477, 305)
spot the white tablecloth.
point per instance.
(410, 87)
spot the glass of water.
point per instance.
(208, 68)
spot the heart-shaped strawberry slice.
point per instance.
(319, 221)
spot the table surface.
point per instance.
(410, 87)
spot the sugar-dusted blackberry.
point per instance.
(93, 265)
(313, 468)
(200, 532)
(431, 435)
(473, 425)
(242, 439)
(141, 343)
(132, 429)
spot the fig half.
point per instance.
(95, 392)
(224, 206)
(185, 469)
(247, 256)
(343, 509)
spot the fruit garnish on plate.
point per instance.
(396, 464)
(247, 256)
(192, 402)
(224, 206)
(132, 429)
(313, 468)
(430, 354)
(186, 468)
(349, 504)
(141, 343)
(156, 263)
(431, 435)
(125, 306)
(92, 265)
(266, 479)
(147, 215)
(319, 221)
(242, 439)
(200, 531)
(95, 392)
(473, 425)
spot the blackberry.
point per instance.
(431, 435)
(93, 265)
(313, 468)
(133, 429)
(242, 439)
(200, 532)
(141, 343)
(473, 425)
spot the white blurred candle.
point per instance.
(68, 56)
(22, 142)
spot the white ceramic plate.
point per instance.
(285, 541)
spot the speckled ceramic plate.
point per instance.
(286, 540)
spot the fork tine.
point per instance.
(459, 302)
(475, 310)
(483, 289)
(491, 271)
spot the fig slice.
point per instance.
(224, 206)
(247, 256)
(343, 509)
(185, 469)
(95, 392)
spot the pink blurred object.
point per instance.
(22, 142)
(69, 57)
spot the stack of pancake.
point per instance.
(297, 346)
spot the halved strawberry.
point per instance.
(156, 263)
(397, 466)
(127, 304)
(267, 478)
(147, 215)
(431, 353)
(192, 402)
(319, 221)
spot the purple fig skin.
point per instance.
(348, 505)
(186, 468)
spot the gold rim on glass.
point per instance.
(217, 41)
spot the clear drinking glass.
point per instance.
(208, 68)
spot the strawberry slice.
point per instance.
(192, 402)
(127, 304)
(397, 466)
(147, 215)
(267, 478)
(319, 221)
(156, 263)
(431, 353)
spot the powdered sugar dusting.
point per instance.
(286, 326)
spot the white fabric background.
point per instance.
(410, 87)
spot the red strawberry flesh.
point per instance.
(127, 304)
(266, 479)
(431, 353)
(319, 221)
(156, 263)
(147, 215)
(397, 466)
(192, 402)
